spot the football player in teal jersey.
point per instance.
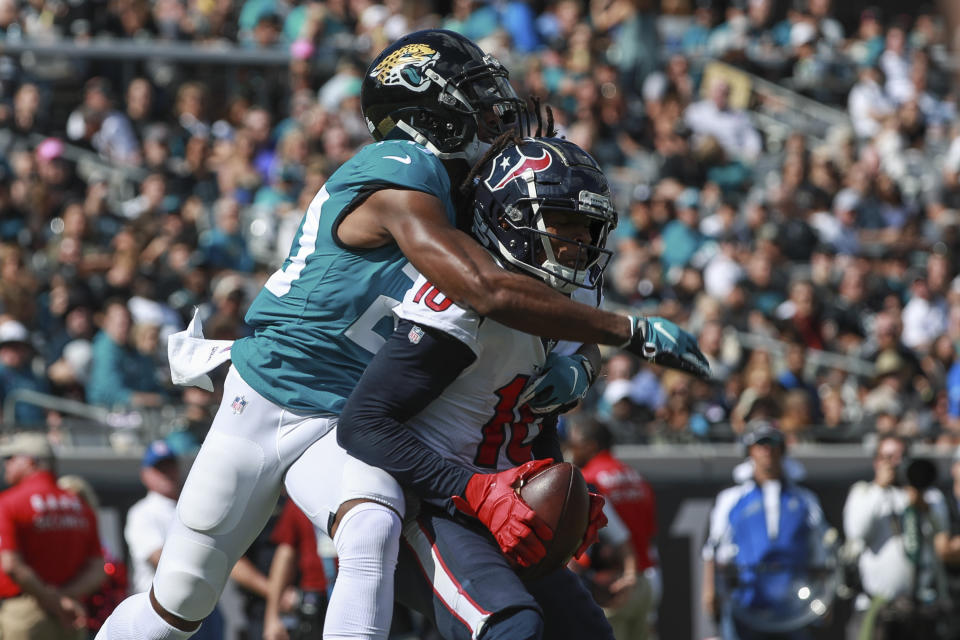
(433, 100)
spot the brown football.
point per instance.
(559, 496)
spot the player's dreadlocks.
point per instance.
(551, 131)
(510, 138)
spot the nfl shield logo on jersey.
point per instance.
(416, 333)
(238, 405)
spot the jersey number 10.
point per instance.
(507, 415)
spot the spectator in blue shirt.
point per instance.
(953, 396)
(681, 237)
(224, 246)
(472, 18)
(16, 373)
(698, 33)
(116, 375)
(519, 20)
(766, 530)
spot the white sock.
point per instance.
(135, 619)
(361, 605)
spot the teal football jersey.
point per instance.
(320, 318)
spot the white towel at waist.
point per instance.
(191, 356)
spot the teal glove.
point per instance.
(562, 383)
(663, 342)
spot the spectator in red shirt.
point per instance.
(632, 498)
(49, 547)
(296, 553)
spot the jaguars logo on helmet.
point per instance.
(441, 90)
(405, 66)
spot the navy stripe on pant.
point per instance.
(455, 574)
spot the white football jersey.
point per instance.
(476, 421)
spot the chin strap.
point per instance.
(471, 154)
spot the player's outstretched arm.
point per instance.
(466, 273)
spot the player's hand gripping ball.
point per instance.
(559, 496)
(493, 499)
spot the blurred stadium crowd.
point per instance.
(815, 259)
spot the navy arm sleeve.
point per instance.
(402, 379)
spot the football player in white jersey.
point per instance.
(449, 398)
(433, 100)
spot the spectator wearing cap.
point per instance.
(149, 520)
(894, 529)
(765, 532)
(16, 373)
(150, 517)
(631, 496)
(267, 31)
(49, 547)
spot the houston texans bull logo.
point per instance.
(512, 164)
(406, 67)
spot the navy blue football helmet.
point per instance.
(524, 190)
(440, 89)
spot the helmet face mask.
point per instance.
(489, 97)
(545, 209)
(438, 88)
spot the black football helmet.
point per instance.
(441, 90)
(521, 184)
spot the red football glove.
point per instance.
(597, 521)
(492, 499)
